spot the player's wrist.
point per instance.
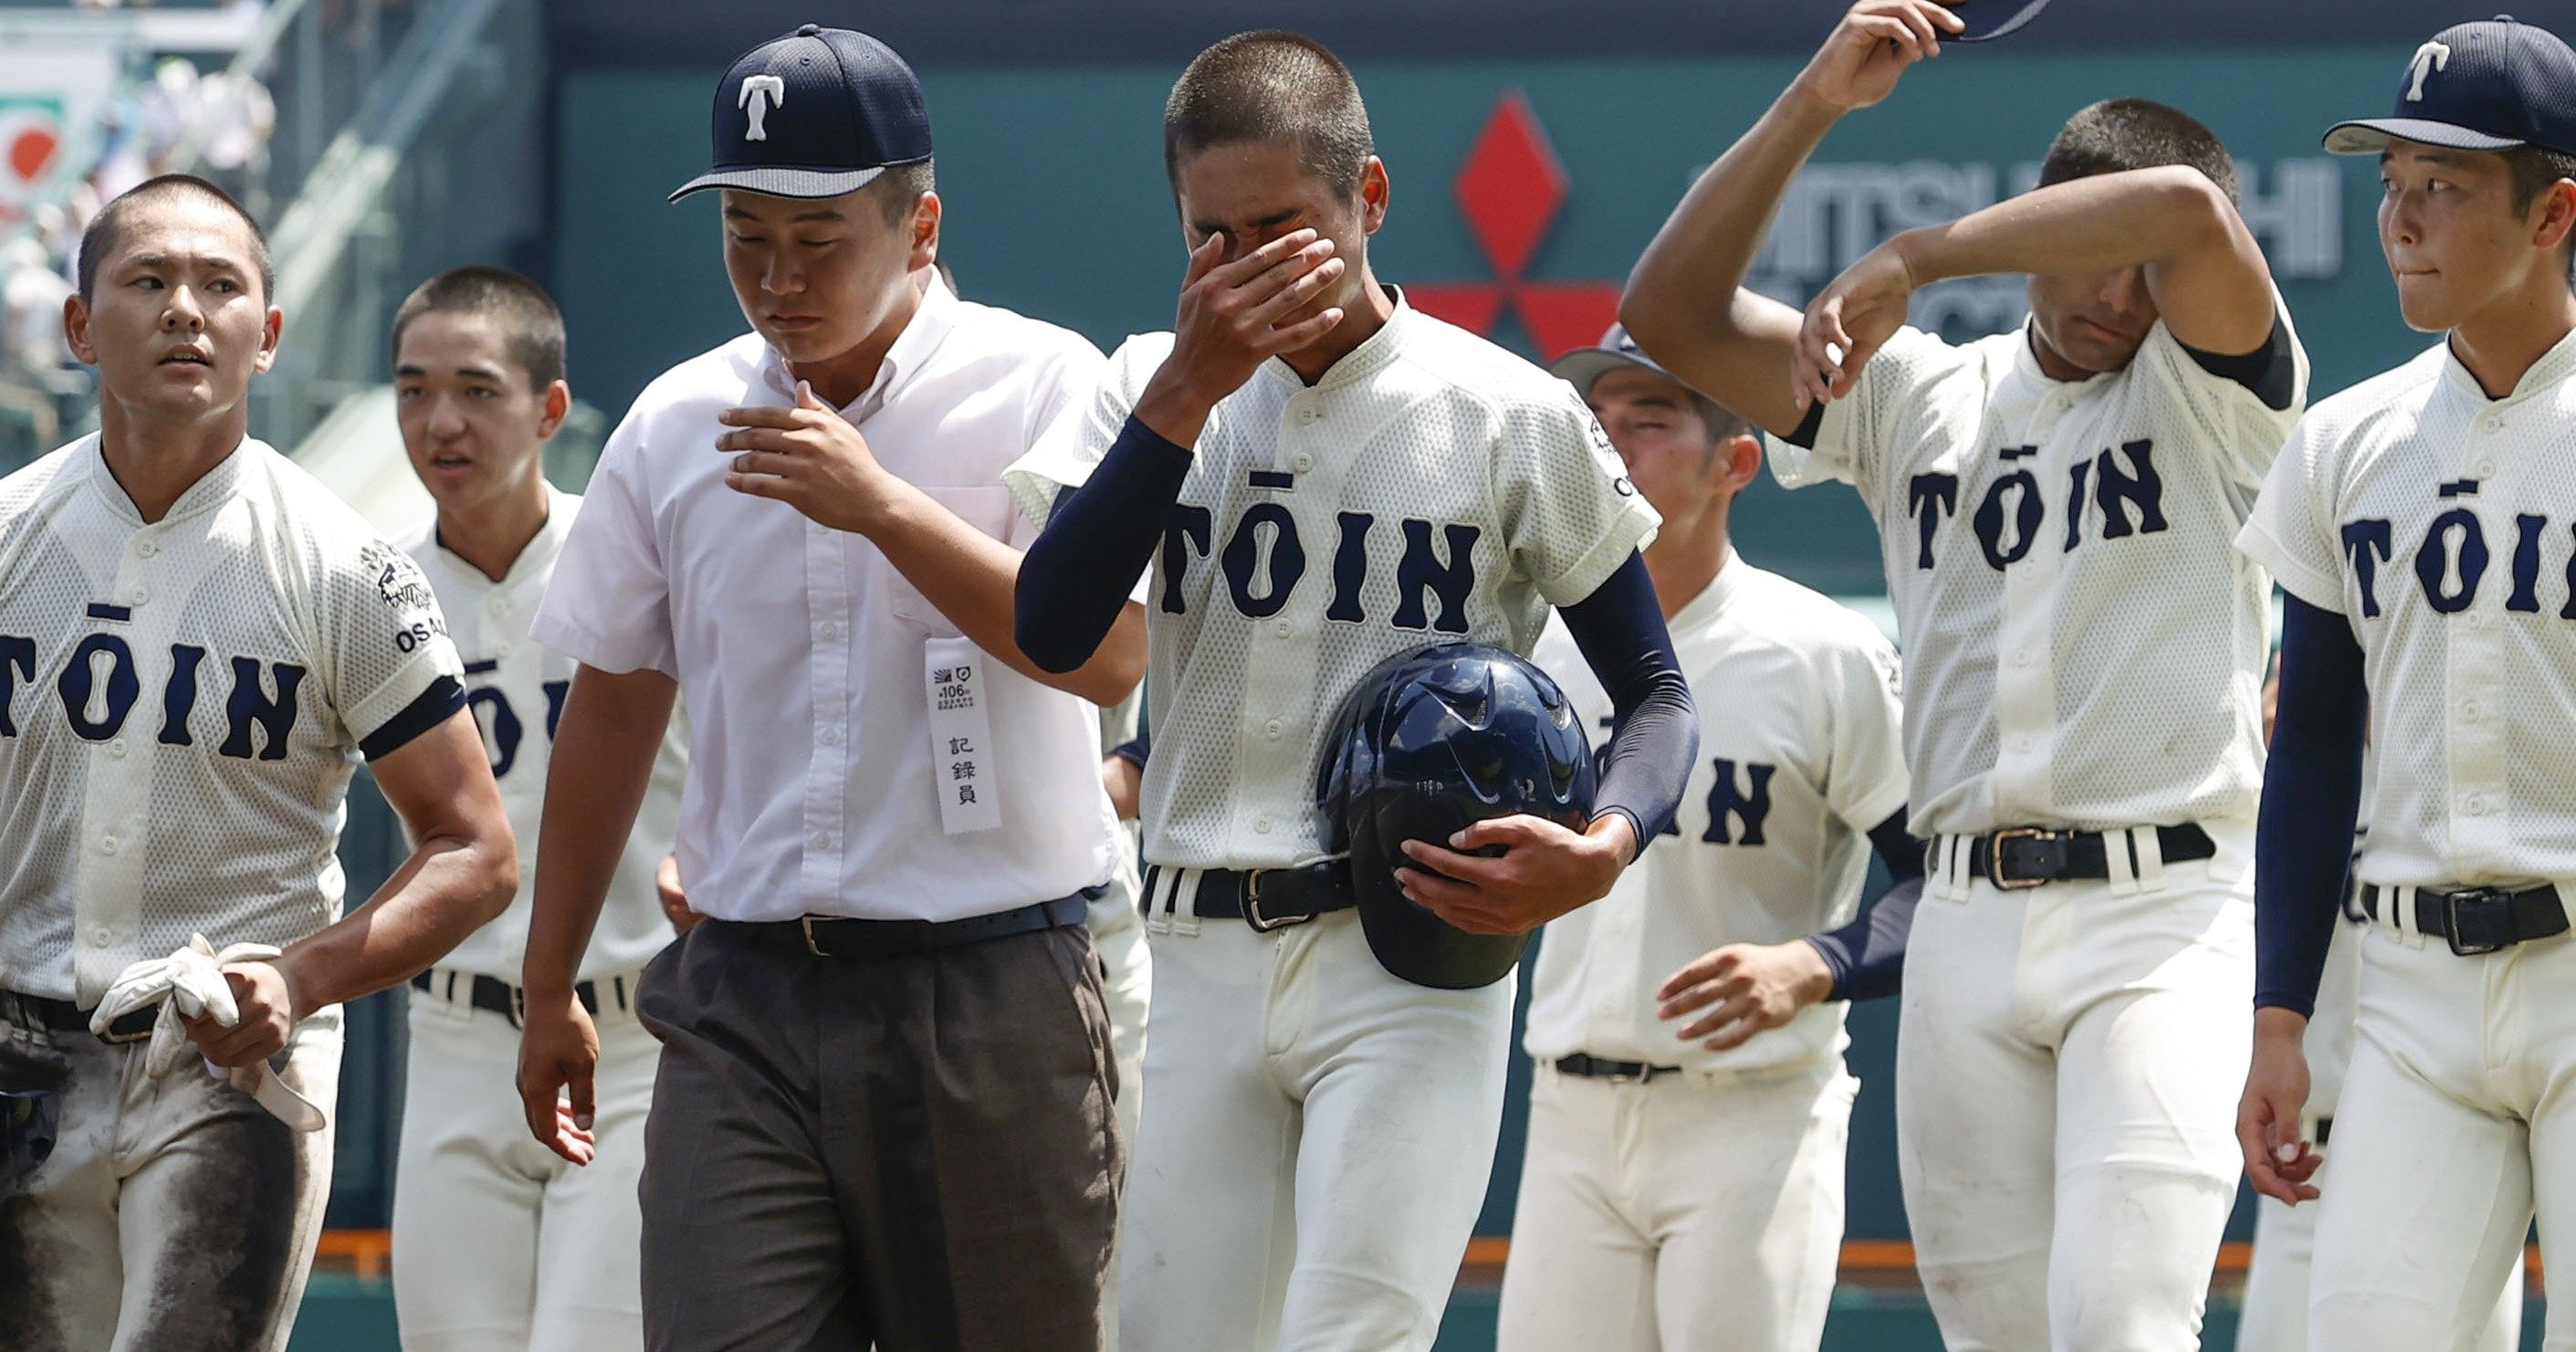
(2277, 1023)
(1171, 407)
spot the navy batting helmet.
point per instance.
(1428, 742)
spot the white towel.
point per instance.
(190, 983)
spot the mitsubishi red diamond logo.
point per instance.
(1509, 190)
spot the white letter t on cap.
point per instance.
(2430, 57)
(760, 93)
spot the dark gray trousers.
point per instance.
(917, 1152)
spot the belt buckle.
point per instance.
(1995, 855)
(114, 1038)
(2498, 920)
(1252, 915)
(812, 945)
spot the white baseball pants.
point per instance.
(2068, 1063)
(1127, 988)
(1315, 1147)
(2455, 1126)
(1689, 1213)
(499, 1244)
(174, 1214)
(2274, 1317)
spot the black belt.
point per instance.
(2474, 920)
(2034, 856)
(1595, 1068)
(62, 1016)
(504, 999)
(1264, 898)
(840, 937)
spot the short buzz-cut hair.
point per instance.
(106, 230)
(2117, 135)
(900, 187)
(531, 327)
(1277, 87)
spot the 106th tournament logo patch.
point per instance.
(400, 582)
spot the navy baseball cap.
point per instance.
(2491, 86)
(817, 113)
(1585, 365)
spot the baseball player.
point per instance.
(198, 644)
(497, 1243)
(884, 1109)
(2413, 521)
(1671, 1136)
(1328, 478)
(2083, 665)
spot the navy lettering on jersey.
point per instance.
(1748, 807)
(1929, 497)
(2434, 560)
(1421, 570)
(502, 731)
(2116, 491)
(79, 685)
(179, 698)
(251, 706)
(555, 692)
(2075, 505)
(2368, 544)
(17, 663)
(1188, 531)
(1350, 567)
(2526, 563)
(1280, 565)
(1989, 520)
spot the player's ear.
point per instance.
(2556, 209)
(1742, 453)
(558, 407)
(76, 330)
(925, 232)
(1373, 194)
(272, 328)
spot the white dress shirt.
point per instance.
(1800, 758)
(800, 652)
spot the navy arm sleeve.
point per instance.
(1654, 734)
(1136, 749)
(1097, 542)
(2311, 795)
(1868, 955)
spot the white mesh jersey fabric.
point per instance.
(2442, 525)
(1800, 759)
(159, 779)
(516, 689)
(1431, 487)
(2082, 649)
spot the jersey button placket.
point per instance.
(2025, 678)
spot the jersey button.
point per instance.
(1307, 416)
(1274, 727)
(822, 840)
(107, 845)
(2021, 657)
(102, 936)
(2471, 711)
(1285, 629)
(138, 596)
(2484, 469)
(829, 736)
(1303, 463)
(2475, 804)
(116, 749)
(145, 549)
(828, 632)
(2021, 744)
(1261, 825)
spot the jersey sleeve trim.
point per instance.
(1629, 534)
(2270, 372)
(443, 700)
(2322, 590)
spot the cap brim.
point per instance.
(2369, 136)
(783, 182)
(1584, 365)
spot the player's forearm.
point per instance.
(2311, 797)
(2139, 218)
(971, 578)
(1686, 283)
(1620, 630)
(450, 887)
(602, 765)
(1072, 588)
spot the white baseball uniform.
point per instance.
(498, 1243)
(1126, 975)
(2430, 517)
(2082, 651)
(1634, 1193)
(1319, 1134)
(182, 703)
